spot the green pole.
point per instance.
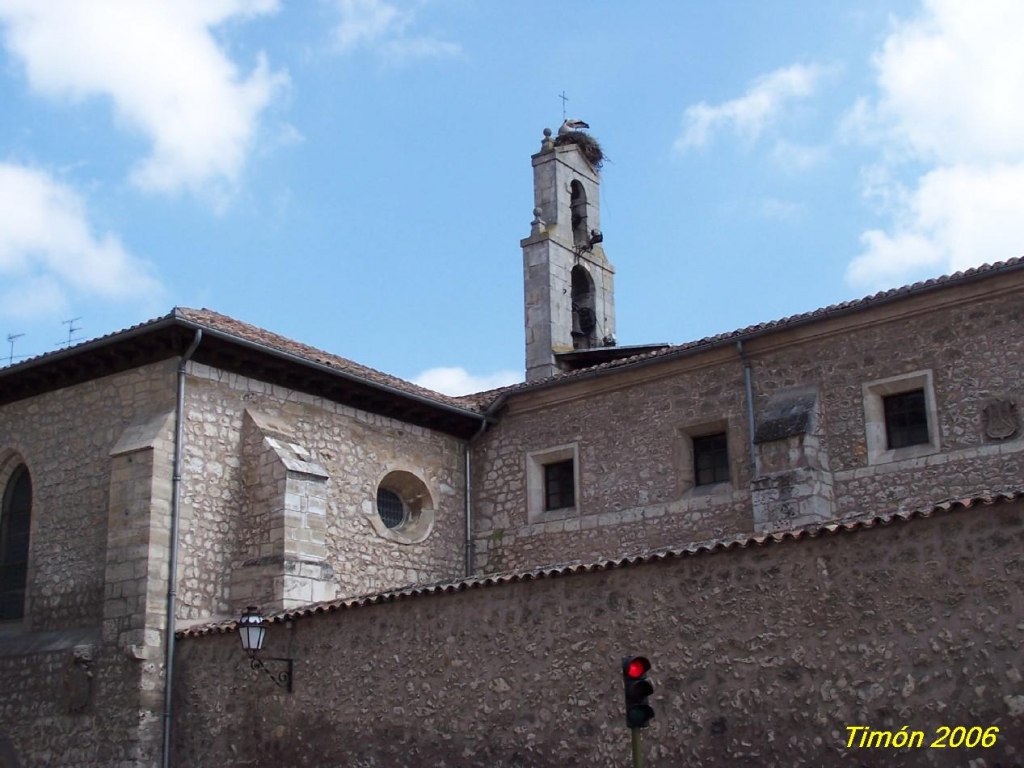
(638, 755)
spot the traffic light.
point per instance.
(637, 688)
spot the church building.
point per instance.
(823, 509)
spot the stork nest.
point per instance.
(587, 145)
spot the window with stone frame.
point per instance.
(552, 483)
(710, 459)
(15, 523)
(906, 419)
(404, 509)
(559, 485)
(901, 418)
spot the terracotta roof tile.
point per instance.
(480, 401)
(487, 399)
(208, 319)
(28, 362)
(216, 321)
(713, 546)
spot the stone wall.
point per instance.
(65, 438)
(78, 675)
(762, 656)
(630, 433)
(631, 492)
(88, 658)
(354, 449)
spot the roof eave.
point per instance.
(176, 319)
(327, 369)
(730, 340)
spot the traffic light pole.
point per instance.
(638, 755)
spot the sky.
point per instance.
(355, 174)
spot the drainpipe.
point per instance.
(469, 503)
(750, 407)
(172, 585)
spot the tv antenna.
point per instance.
(72, 329)
(11, 338)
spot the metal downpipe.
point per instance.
(750, 407)
(172, 578)
(469, 502)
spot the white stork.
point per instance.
(571, 124)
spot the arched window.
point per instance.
(578, 208)
(584, 316)
(15, 519)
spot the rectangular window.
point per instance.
(559, 485)
(906, 419)
(551, 479)
(710, 459)
(901, 420)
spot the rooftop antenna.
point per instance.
(564, 99)
(72, 329)
(11, 338)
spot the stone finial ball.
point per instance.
(547, 133)
(537, 211)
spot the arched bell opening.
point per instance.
(584, 315)
(578, 208)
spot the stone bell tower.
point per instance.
(570, 302)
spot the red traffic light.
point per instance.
(636, 667)
(637, 688)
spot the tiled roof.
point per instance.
(78, 346)
(214, 320)
(481, 401)
(846, 525)
(487, 399)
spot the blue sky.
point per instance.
(355, 174)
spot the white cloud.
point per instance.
(400, 50)
(958, 217)
(34, 297)
(798, 157)
(162, 69)
(384, 28)
(950, 82)
(782, 210)
(49, 252)
(459, 381)
(289, 134)
(364, 22)
(750, 114)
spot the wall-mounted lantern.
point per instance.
(252, 629)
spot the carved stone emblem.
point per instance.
(1001, 419)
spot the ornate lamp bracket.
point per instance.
(281, 678)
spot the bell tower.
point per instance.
(569, 291)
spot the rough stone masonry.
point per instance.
(763, 655)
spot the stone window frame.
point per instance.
(685, 466)
(10, 463)
(417, 499)
(874, 394)
(535, 483)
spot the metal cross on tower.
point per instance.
(564, 99)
